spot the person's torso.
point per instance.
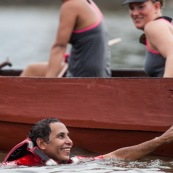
(154, 61)
(154, 64)
(90, 54)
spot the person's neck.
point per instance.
(159, 14)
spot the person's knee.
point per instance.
(30, 70)
(34, 70)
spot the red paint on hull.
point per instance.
(102, 114)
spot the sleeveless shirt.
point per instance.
(154, 61)
(90, 54)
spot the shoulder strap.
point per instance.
(169, 19)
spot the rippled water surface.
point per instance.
(147, 165)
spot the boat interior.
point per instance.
(115, 72)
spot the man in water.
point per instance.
(48, 143)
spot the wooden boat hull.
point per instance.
(98, 141)
(102, 114)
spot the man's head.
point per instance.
(52, 137)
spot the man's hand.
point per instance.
(167, 137)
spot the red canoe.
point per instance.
(102, 114)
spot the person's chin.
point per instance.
(139, 27)
(65, 155)
(64, 159)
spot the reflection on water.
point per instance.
(108, 166)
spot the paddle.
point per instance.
(114, 41)
(63, 71)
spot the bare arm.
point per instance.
(68, 17)
(160, 35)
(141, 150)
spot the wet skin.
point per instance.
(59, 145)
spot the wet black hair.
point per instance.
(42, 129)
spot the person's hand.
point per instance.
(167, 137)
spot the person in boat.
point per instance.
(48, 143)
(82, 25)
(158, 35)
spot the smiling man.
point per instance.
(48, 143)
(59, 144)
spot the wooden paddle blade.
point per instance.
(114, 41)
(63, 71)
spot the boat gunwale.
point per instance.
(83, 124)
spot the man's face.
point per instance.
(59, 145)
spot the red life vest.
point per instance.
(25, 153)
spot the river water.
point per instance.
(146, 165)
(26, 36)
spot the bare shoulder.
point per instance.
(156, 24)
(159, 31)
(69, 10)
(71, 5)
(156, 27)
